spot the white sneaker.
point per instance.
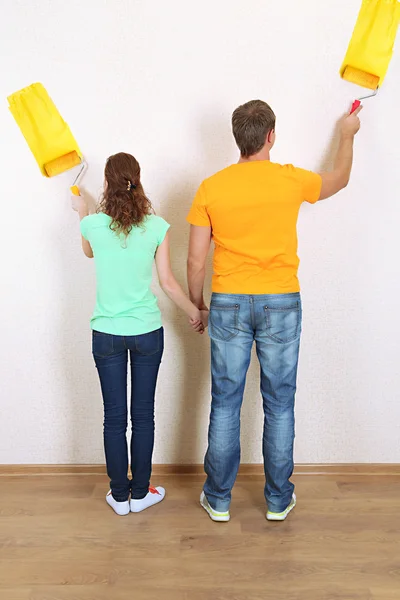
(272, 516)
(154, 496)
(121, 508)
(215, 515)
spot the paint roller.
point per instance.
(371, 46)
(65, 163)
(47, 134)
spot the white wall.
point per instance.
(160, 79)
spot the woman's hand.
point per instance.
(196, 323)
(197, 326)
(171, 287)
(200, 323)
(79, 204)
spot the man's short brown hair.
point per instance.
(251, 123)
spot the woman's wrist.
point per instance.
(83, 212)
(195, 315)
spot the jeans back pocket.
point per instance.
(223, 322)
(102, 344)
(283, 323)
(149, 343)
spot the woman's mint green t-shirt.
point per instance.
(125, 304)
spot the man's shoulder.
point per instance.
(235, 174)
(233, 169)
(223, 174)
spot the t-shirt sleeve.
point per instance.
(311, 184)
(162, 229)
(85, 227)
(198, 214)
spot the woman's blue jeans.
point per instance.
(111, 357)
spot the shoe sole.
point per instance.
(213, 514)
(135, 511)
(282, 516)
(120, 514)
(158, 500)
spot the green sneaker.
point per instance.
(214, 514)
(272, 516)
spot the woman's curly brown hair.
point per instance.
(124, 199)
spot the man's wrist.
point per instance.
(347, 136)
(200, 304)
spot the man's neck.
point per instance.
(262, 155)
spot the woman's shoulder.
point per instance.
(155, 220)
(155, 223)
(93, 221)
(96, 218)
(157, 226)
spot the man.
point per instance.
(250, 211)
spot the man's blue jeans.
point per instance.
(274, 323)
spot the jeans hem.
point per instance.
(278, 509)
(120, 499)
(139, 496)
(218, 505)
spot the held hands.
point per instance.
(200, 323)
(350, 124)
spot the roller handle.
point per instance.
(75, 190)
(354, 106)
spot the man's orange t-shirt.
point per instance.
(252, 209)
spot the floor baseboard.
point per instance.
(335, 469)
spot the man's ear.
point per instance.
(269, 136)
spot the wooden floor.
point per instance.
(60, 541)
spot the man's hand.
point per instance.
(204, 316)
(350, 124)
(337, 179)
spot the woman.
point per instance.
(125, 237)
